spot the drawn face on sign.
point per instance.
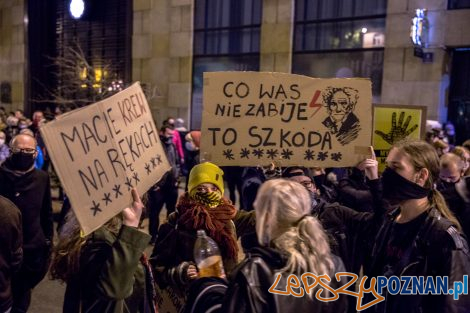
(340, 104)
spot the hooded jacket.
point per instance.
(111, 278)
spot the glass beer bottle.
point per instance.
(207, 256)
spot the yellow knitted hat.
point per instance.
(206, 173)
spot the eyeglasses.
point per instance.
(25, 150)
(307, 184)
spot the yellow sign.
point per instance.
(393, 123)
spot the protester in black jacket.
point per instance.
(29, 189)
(420, 238)
(354, 192)
(11, 249)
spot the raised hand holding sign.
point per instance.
(102, 151)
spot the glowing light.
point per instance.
(419, 28)
(77, 7)
(364, 30)
(83, 73)
(98, 75)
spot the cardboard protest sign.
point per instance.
(252, 118)
(393, 123)
(103, 150)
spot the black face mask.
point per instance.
(447, 185)
(397, 188)
(21, 161)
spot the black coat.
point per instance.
(437, 250)
(354, 193)
(251, 280)
(11, 252)
(31, 193)
(459, 207)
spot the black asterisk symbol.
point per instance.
(309, 155)
(107, 198)
(336, 156)
(286, 154)
(96, 208)
(136, 177)
(147, 168)
(322, 156)
(258, 153)
(129, 183)
(228, 154)
(245, 153)
(272, 153)
(117, 191)
(159, 159)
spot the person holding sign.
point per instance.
(105, 271)
(420, 237)
(203, 207)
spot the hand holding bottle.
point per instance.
(192, 273)
(207, 257)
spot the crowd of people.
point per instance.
(276, 224)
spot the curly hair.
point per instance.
(329, 92)
(283, 221)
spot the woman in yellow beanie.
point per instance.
(202, 207)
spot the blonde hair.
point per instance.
(449, 159)
(423, 155)
(283, 220)
(460, 151)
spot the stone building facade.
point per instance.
(162, 49)
(13, 53)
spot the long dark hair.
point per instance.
(65, 262)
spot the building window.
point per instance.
(102, 36)
(340, 38)
(458, 4)
(226, 38)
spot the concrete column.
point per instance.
(12, 51)
(277, 35)
(162, 54)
